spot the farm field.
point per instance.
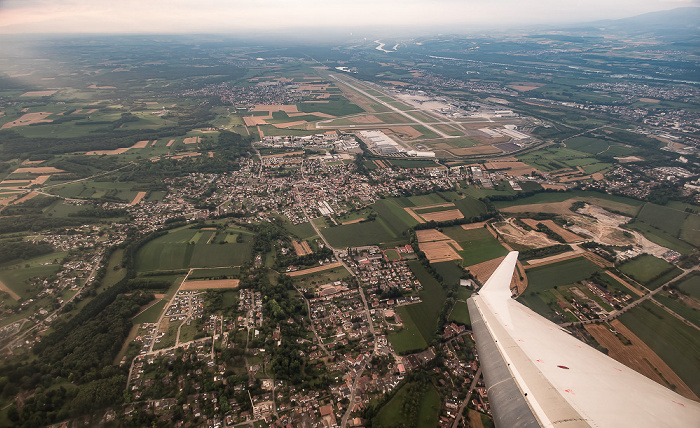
(660, 237)
(15, 274)
(650, 271)
(678, 306)
(423, 316)
(690, 284)
(394, 413)
(617, 203)
(151, 314)
(543, 278)
(359, 234)
(183, 248)
(667, 219)
(676, 343)
(460, 313)
(478, 245)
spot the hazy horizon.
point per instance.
(278, 16)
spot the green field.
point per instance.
(667, 219)
(394, 413)
(470, 207)
(450, 272)
(183, 248)
(478, 245)
(690, 232)
(613, 202)
(420, 318)
(359, 234)
(555, 158)
(460, 313)
(690, 284)
(562, 273)
(392, 212)
(220, 273)
(16, 275)
(660, 237)
(689, 313)
(650, 271)
(676, 343)
(151, 314)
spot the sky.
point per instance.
(270, 16)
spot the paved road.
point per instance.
(464, 404)
(614, 314)
(358, 375)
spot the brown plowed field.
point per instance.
(210, 284)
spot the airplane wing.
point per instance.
(539, 375)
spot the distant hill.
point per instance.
(680, 19)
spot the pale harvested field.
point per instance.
(406, 131)
(597, 176)
(523, 88)
(39, 93)
(471, 226)
(315, 269)
(553, 259)
(443, 215)
(41, 179)
(429, 235)
(25, 198)
(28, 119)
(649, 100)
(595, 258)
(7, 290)
(638, 356)
(101, 87)
(289, 124)
(418, 218)
(31, 162)
(170, 143)
(299, 249)
(254, 120)
(625, 283)
(38, 170)
(139, 197)
(365, 119)
(140, 144)
(553, 186)
(357, 220)
(276, 107)
(108, 152)
(210, 284)
(192, 140)
(439, 251)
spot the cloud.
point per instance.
(186, 16)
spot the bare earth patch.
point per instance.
(38, 170)
(365, 119)
(551, 225)
(299, 249)
(28, 119)
(7, 290)
(39, 93)
(210, 284)
(443, 215)
(192, 140)
(139, 197)
(25, 198)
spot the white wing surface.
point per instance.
(537, 374)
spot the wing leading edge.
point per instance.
(537, 374)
